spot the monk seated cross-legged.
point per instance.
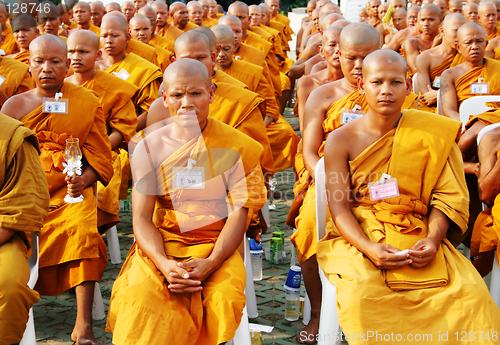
(476, 76)
(196, 182)
(24, 205)
(72, 253)
(386, 249)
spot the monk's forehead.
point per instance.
(332, 34)
(23, 24)
(47, 49)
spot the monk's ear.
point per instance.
(320, 49)
(98, 55)
(361, 86)
(211, 93)
(409, 86)
(128, 37)
(2, 38)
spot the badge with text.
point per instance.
(480, 88)
(122, 74)
(189, 177)
(349, 115)
(387, 187)
(56, 105)
(436, 83)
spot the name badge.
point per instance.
(436, 83)
(349, 115)
(2, 79)
(56, 105)
(122, 74)
(480, 87)
(387, 187)
(188, 179)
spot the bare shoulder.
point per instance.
(494, 44)
(19, 105)
(338, 142)
(305, 83)
(453, 73)
(491, 141)
(157, 112)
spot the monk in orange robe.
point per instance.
(156, 39)
(97, 11)
(72, 253)
(130, 67)
(433, 62)
(273, 24)
(14, 77)
(457, 86)
(487, 17)
(390, 249)
(274, 6)
(9, 44)
(184, 257)
(24, 205)
(486, 232)
(250, 74)
(115, 96)
(141, 30)
(25, 31)
(206, 20)
(180, 17)
(81, 14)
(267, 33)
(49, 20)
(163, 28)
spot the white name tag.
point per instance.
(348, 117)
(386, 188)
(436, 83)
(480, 87)
(123, 74)
(191, 179)
(50, 105)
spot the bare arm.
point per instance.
(314, 115)
(411, 52)
(429, 96)
(337, 183)
(303, 91)
(115, 138)
(489, 168)
(448, 96)
(381, 31)
(491, 47)
(395, 42)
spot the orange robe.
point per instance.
(209, 22)
(163, 57)
(95, 29)
(143, 50)
(451, 61)
(144, 75)
(281, 28)
(189, 26)
(163, 42)
(256, 41)
(253, 77)
(272, 36)
(115, 96)
(23, 57)
(239, 108)
(448, 294)
(170, 32)
(24, 205)
(305, 238)
(490, 72)
(17, 77)
(210, 316)
(223, 77)
(71, 249)
(9, 45)
(285, 21)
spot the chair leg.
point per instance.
(114, 246)
(495, 282)
(29, 337)
(242, 335)
(249, 288)
(329, 326)
(306, 313)
(98, 305)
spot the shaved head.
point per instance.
(455, 6)
(471, 12)
(23, 22)
(115, 18)
(327, 19)
(359, 34)
(177, 6)
(341, 22)
(185, 68)
(191, 37)
(430, 9)
(237, 6)
(52, 41)
(83, 5)
(210, 35)
(222, 32)
(332, 31)
(84, 36)
(112, 6)
(139, 19)
(156, 5)
(452, 18)
(228, 19)
(387, 58)
(330, 7)
(469, 28)
(147, 11)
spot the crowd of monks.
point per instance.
(185, 104)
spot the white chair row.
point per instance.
(29, 337)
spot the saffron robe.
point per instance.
(209, 22)
(422, 154)
(169, 32)
(163, 42)
(146, 76)
(285, 21)
(23, 57)
(189, 26)
(9, 45)
(24, 205)
(281, 28)
(17, 77)
(115, 96)
(143, 50)
(71, 249)
(210, 316)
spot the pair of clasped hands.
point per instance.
(387, 257)
(187, 277)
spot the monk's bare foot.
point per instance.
(84, 337)
(309, 334)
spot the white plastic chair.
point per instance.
(414, 81)
(350, 9)
(495, 273)
(329, 325)
(114, 246)
(475, 106)
(439, 104)
(29, 337)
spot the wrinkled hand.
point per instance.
(423, 252)
(430, 97)
(75, 185)
(179, 280)
(387, 257)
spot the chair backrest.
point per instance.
(350, 9)
(439, 104)
(486, 130)
(474, 106)
(33, 261)
(321, 198)
(414, 81)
